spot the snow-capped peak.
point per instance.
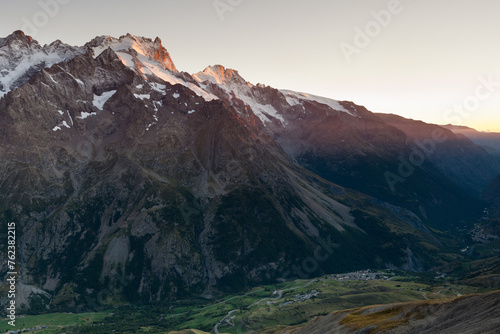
(227, 79)
(235, 86)
(21, 57)
(147, 58)
(18, 40)
(220, 75)
(130, 44)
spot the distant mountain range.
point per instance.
(489, 140)
(131, 180)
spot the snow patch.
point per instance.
(143, 96)
(63, 123)
(293, 98)
(71, 118)
(80, 82)
(99, 101)
(156, 104)
(51, 78)
(191, 111)
(158, 87)
(176, 95)
(262, 111)
(126, 59)
(84, 115)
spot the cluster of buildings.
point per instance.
(25, 330)
(479, 235)
(361, 275)
(300, 298)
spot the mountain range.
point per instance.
(488, 140)
(132, 182)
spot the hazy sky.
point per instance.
(437, 61)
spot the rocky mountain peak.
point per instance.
(98, 41)
(141, 48)
(218, 74)
(17, 39)
(21, 57)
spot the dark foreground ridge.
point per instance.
(467, 314)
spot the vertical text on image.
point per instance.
(12, 274)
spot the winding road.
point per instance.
(280, 295)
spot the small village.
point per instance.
(27, 330)
(479, 235)
(362, 275)
(298, 298)
(301, 298)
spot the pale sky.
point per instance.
(426, 60)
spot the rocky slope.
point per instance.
(468, 314)
(456, 156)
(492, 195)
